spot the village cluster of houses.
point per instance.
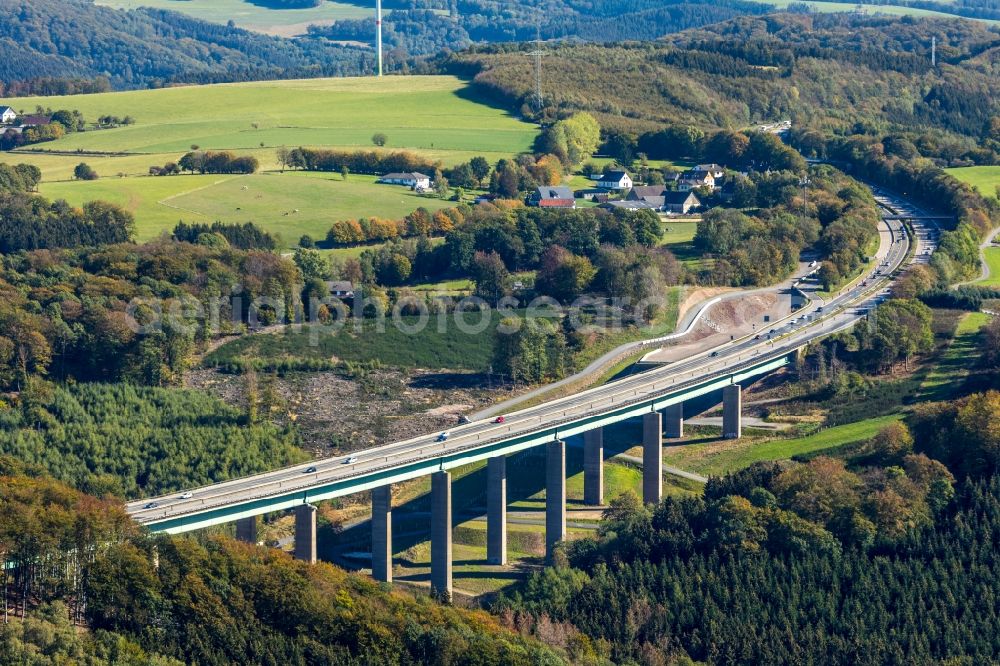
(614, 189)
(11, 121)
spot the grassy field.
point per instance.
(432, 115)
(283, 22)
(416, 112)
(676, 232)
(893, 10)
(984, 178)
(955, 362)
(993, 260)
(722, 456)
(268, 199)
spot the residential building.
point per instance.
(552, 196)
(341, 289)
(662, 199)
(414, 180)
(615, 180)
(690, 180)
(35, 121)
(594, 194)
(680, 203)
(7, 115)
(716, 170)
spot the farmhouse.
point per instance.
(341, 289)
(680, 202)
(662, 199)
(35, 121)
(414, 180)
(689, 180)
(716, 170)
(552, 196)
(649, 193)
(615, 180)
(7, 115)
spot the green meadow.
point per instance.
(723, 456)
(984, 178)
(283, 22)
(993, 261)
(432, 115)
(289, 204)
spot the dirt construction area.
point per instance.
(732, 318)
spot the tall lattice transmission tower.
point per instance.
(538, 54)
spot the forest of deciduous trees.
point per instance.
(79, 558)
(417, 29)
(74, 46)
(815, 69)
(30, 222)
(839, 218)
(128, 312)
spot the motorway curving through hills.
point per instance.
(816, 320)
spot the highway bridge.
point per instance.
(656, 396)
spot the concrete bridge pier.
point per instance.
(246, 530)
(305, 533)
(732, 412)
(496, 510)
(441, 535)
(382, 534)
(673, 415)
(652, 458)
(593, 467)
(555, 495)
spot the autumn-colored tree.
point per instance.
(563, 275)
(490, 275)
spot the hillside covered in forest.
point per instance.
(423, 27)
(164, 601)
(59, 47)
(88, 47)
(837, 74)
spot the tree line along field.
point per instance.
(431, 115)
(281, 22)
